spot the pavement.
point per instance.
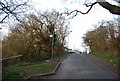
(82, 66)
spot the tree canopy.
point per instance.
(31, 38)
(104, 38)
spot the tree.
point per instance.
(58, 26)
(12, 9)
(103, 39)
(31, 38)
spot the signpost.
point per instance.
(52, 37)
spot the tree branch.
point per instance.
(112, 8)
(77, 11)
(117, 1)
(10, 9)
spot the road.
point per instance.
(82, 66)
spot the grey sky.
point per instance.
(79, 24)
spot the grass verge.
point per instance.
(113, 59)
(11, 74)
(42, 67)
(21, 71)
(24, 64)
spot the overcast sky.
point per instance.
(79, 24)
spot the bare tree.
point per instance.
(103, 39)
(31, 38)
(12, 9)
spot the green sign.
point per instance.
(51, 35)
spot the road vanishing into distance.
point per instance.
(83, 66)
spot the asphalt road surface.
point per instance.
(82, 66)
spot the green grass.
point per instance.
(41, 68)
(116, 61)
(11, 74)
(25, 64)
(105, 56)
(65, 52)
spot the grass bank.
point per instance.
(113, 59)
(21, 71)
(11, 74)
